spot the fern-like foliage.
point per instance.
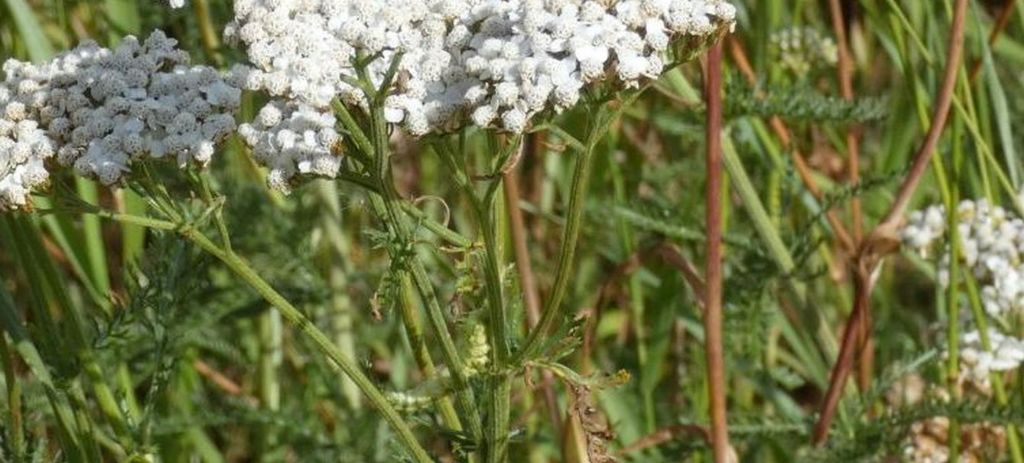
(801, 104)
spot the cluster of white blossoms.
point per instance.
(977, 363)
(293, 140)
(100, 110)
(490, 63)
(800, 49)
(991, 248)
(991, 245)
(24, 148)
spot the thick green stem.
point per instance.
(387, 206)
(500, 384)
(294, 317)
(414, 330)
(306, 327)
(573, 219)
(14, 417)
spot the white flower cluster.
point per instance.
(800, 49)
(484, 62)
(976, 363)
(293, 140)
(992, 247)
(103, 109)
(24, 148)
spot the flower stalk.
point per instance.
(713, 267)
(292, 315)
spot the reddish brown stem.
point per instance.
(845, 76)
(939, 117)
(664, 435)
(713, 270)
(1001, 22)
(841, 370)
(221, 381)
(842, 236)
(880, 241)
(671, 255)
(845, 71)
(866, 348)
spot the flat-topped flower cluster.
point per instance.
(991, 246)
(455, 63)
(977, 363)
(99, 110)
(488, 63)
(499, 61)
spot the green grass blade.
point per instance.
(38, 46)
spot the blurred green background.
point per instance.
(128, 345)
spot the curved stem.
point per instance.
(942, 107)
(606, 113)
(573, 218)
(295, 318)
(306, 326)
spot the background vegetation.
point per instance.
(150, 349)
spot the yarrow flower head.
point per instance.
(101, 110)
(293, 139)
(977, 363)
(24, 148)
(991, 246)
(488, 63)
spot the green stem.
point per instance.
(207, 31)
(14, 417)
(107, 401)
(599, 125)
(953, 292)
(294, 317)
(337, 269)
(414, 329)
(387, 207)
(496, 449)
(268, 327)
(306, 326)
(218, 214)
